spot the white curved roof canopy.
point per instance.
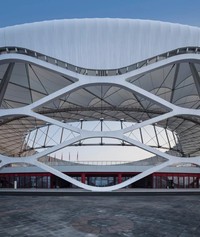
(167, 80)
(100, 43)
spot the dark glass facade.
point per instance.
(168, 180)
(47, 180)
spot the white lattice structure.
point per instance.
(60, 72)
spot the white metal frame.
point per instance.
(83, 81)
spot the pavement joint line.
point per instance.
(81, 192)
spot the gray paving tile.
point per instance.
(100, 216)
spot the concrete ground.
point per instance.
(102, 216)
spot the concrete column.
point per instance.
(83, 178)
(119, 178)
(15, 184)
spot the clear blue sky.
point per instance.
(14, 12)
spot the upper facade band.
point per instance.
(100, 43)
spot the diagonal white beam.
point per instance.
(27, 112)
(57, 94)
(28, 159)
(149, 121)
(56, 148)
(55, 122)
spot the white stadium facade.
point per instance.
(64, 75)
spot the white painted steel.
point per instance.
(75, 37)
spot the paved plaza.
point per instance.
(102, 216)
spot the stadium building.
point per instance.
(138, 80)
